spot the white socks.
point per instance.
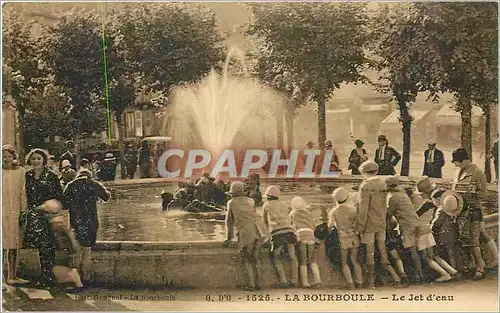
(303, 276)
(316, 274)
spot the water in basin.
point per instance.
(140, 218)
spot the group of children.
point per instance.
(414, 233)
(287, 230)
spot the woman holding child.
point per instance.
(42, 185)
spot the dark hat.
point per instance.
(424, 184)
(459, 155)
(84, 161)
(359, 143)
(382, 138)
(84, 172)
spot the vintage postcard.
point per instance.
(250, 156)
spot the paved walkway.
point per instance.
(456, 296)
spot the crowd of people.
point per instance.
(380, 230)
(410, 234)
(36, 204)
(388, 157)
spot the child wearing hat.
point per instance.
(445, 227)
(303, 224)
(251, 229)
(371, 220)
(343, 218)
(283, 239)
(400, 207)
(426, 241)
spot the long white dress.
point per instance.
(13, 201)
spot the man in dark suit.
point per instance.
(69, 155)
(386, 157)
(433, 161)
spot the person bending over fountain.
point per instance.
(252, 233)
(80, 198)
(252, 188)
(372, 210)
(276, 216)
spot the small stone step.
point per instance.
(36, 294)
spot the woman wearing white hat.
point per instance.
(303, 225)
(276, 216)
(251, 229)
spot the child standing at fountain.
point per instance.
(276, 217)
(251, 229)
(343, 217)
(303, 224)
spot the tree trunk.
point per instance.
(321, 122)
(20, 133)
(78, 152)
(279, 131)
(121, 136)
(487, 140)
(289, 116)
(406, 120)
(466, 115)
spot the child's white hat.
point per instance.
(273, 191)
(236, 189)
(299, 203)
(340, 194)
(368, 166)
(451, 203)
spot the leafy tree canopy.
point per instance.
(319, 46)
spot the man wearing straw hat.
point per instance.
(433, 161)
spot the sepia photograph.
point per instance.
(250, 156)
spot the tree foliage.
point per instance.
(404, 54)
(310, 47)
(42, 106)
(467, 37)
(73, 52)
(468, 48)
(22, 75)
(165, 44)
